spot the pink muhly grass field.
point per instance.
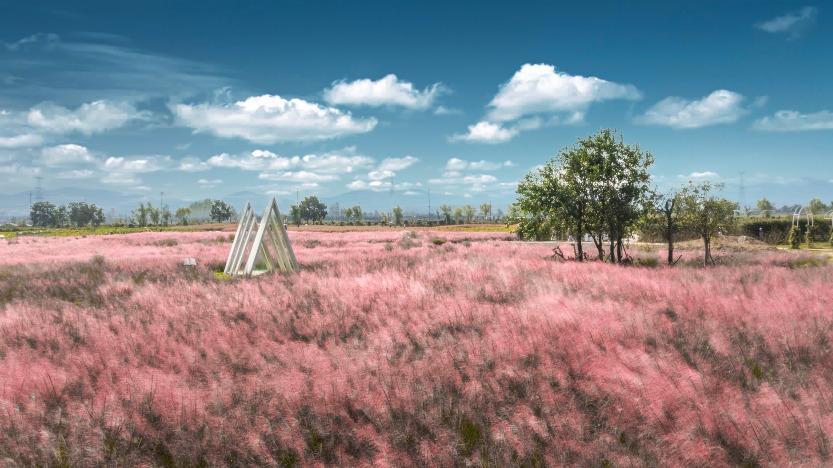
(393, 348)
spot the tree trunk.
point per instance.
(670, 239)
(580, 256)
(612, 251)
(707, 255)
(619, 250)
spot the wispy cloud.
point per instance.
(456, 164)
(794, 121)
(719, 107)
(89, 67)
(794, 24)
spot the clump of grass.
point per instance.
(221, 276)
(407, 241)
(166, 242)
(647, 261)
(438, 241)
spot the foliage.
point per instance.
(446, 211)
(295, 215)
(664, 219)
(808, 235)
(397, 216)
(44, 214)
(312, 210)
(486, 210)
(706, 214)
(816, 206)
(483, 356)
(765, 207)
(220, 211)
(794, 238)
(468, 213)
(182, 214)
(140, 214)
(599, 186)
(81, 214)
(357, 213)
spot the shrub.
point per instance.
(794, 238)
(808, 235)
(438, 241)
(648, 261)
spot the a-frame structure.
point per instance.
(267, 247)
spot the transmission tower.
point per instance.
(39, 189)
(429, 205)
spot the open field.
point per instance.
(393, 348)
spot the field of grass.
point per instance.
(409, 348)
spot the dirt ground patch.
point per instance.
(730, 243)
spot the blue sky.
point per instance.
(202, 99)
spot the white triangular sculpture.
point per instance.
(270, 244)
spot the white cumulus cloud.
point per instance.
(397, 164)
(540, 89)
(271, 119)
(387, 91)
(486, 132)
(719, 107)
(794, 121)
(21, 141)
(63, 155)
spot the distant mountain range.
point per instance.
(117, 204)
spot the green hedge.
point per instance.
(776, 230)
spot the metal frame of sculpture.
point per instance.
(269, 244)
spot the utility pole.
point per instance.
(429, 206)
(742, 190)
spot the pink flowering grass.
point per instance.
(391, 348)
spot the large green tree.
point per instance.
(312, 210)
(397, 216)
(43, 214)
(599, 186)
(706, 213)
(220, 211)
(81, 214)
(765, 207)
(182, 214)
(816, 206)
(664, 220)
(469, 212)
(446, 211)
